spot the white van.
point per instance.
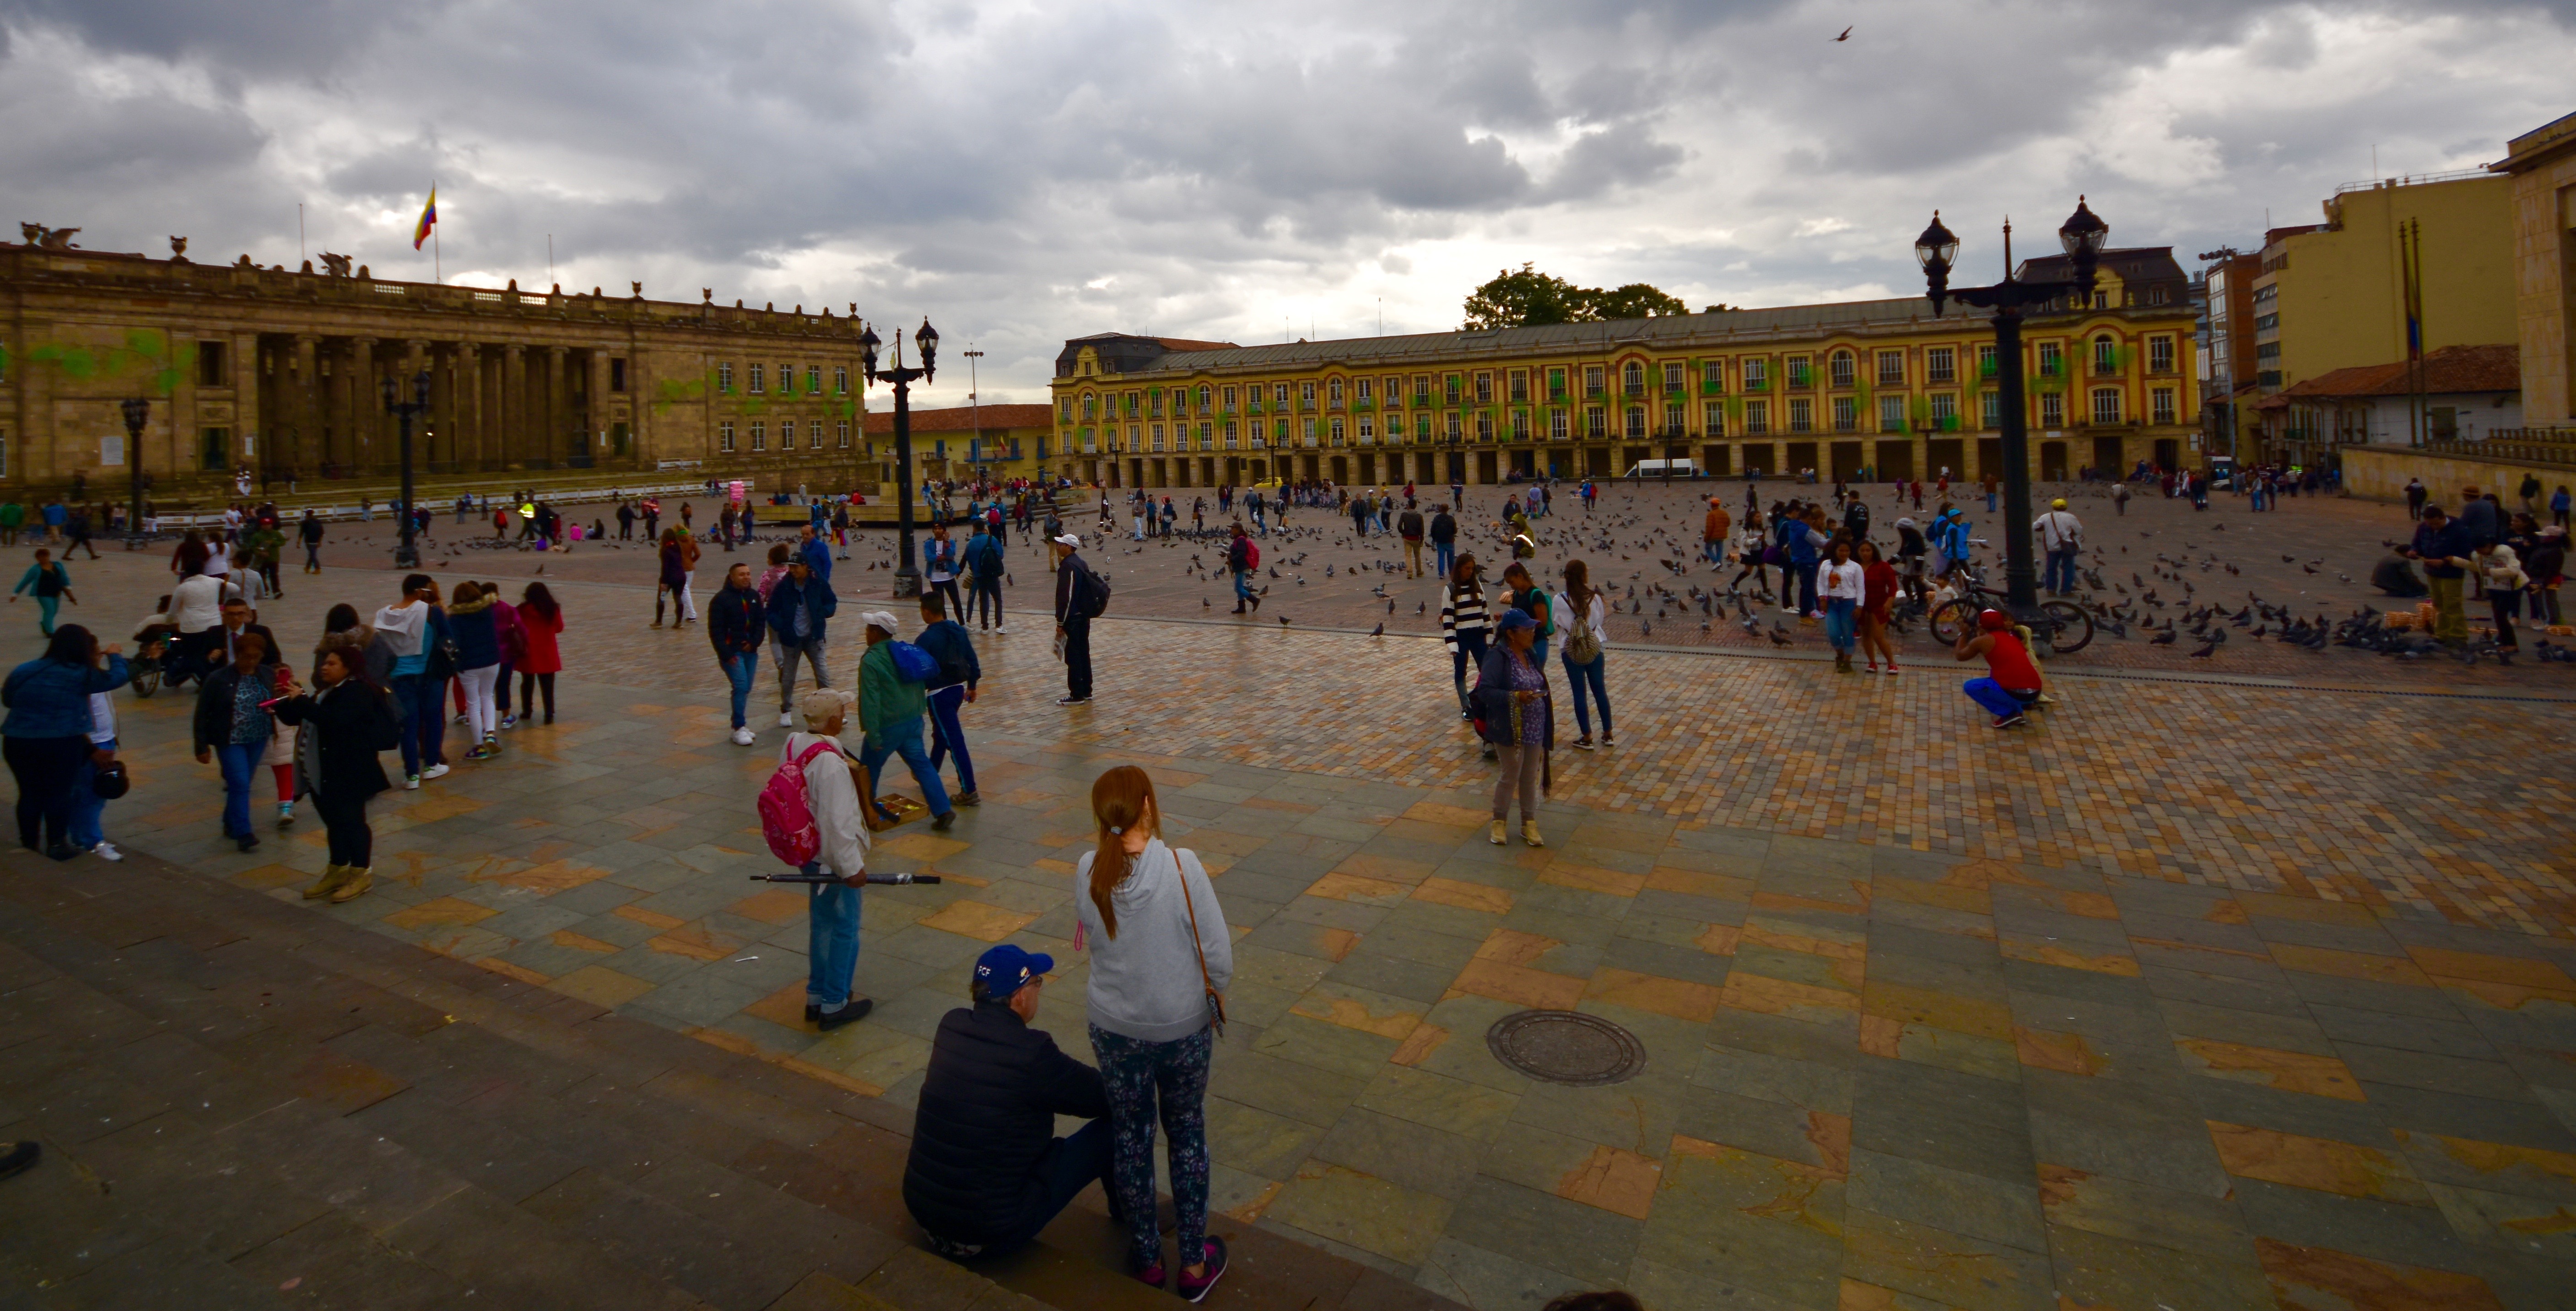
(1664, 469)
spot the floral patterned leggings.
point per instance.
(1137, 1073)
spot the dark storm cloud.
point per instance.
(1030, 173)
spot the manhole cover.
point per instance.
(1566, 1047)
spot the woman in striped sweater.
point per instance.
(1462, 626)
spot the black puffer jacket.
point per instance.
(986, 1123)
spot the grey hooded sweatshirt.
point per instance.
(1145, 982)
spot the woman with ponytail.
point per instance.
(1160, 962)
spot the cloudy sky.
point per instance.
(1024, 173)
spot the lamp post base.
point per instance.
(406, 558)
(907, 584)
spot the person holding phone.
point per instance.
(233, 728)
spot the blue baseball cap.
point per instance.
(1004, 968)
(1514, 618)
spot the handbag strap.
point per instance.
(1192, 904)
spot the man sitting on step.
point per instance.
(986, 1171)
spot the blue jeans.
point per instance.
(1242, 587)
(1578, 677)
(423, 705)
(1806, 587)
(903, 738)
(1470, 655)
(238, 760)
(948, 736)
(1444, 557)
(831, 942)
(1840, 619)
(2059, 575)
(87, 804)
(1997, 700)
(1990, 502)
(738, 667)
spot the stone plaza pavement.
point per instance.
(2197, 995)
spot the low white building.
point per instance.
(2472, 392)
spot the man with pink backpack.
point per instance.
(817, 826)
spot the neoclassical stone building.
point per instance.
(277, 371)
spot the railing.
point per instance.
(2413, 180)
(2555, 447)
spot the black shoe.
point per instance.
(61, 851)
(943, 821)
(246, 842)
(812, 1012)
(1072, 700)
(17, 1157)
(856, 1011)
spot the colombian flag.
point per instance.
(428, 220)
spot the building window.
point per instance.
(1846, 415)
(787, 427)
(1279, 394)
(1520, 386)
(813, 379)
(1757, 374)
(1676, 419)
(1090, 407)
(2052, 411)
(1158, 438)
(1306, 393)
(1333, 392)
(1484, 425)
(1064, 410)
(1203, 398)
(841, 434)
(2106, 356)
(1337, 431)
(1556, 425)
(759, 432)
(1556, 384)
(1368, 432)
(1843, 368)
(1592, 383)
(2160, 354)
(2052, 359)
(1632, 378)
(1364, 389)
(1484, 387)
(724, 380)
(1596, 423)
(1520, 425)
(759, 381)
(2156, 294)
(1891, 414)
(1674, 372)
(814, 435)
(1207, 440)
(724, 437)
(1310, 432)
(1713, 420)
(1757, 418)
(1422, 389)
(1986, 359)
(2106, 405)
(1636, 421)
(1891, 368)
(841, 379)
(1712, 375)
(1992, 410)
(1279, 431)
(1802, 415)
(617, 374)
(1940, 364)
(1801, 372)
(1454, 432)
(2163, 400)
(1945, 410)
(1422, 427)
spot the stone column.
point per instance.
(443, 407)
(511, 439)
(358, 392)
(415, 359)
(557, 444)
(595, 406)
(303, 452)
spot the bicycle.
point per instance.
(2063, 625)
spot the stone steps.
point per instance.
(240, 1100)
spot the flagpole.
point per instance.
(437, 262)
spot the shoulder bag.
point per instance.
(1215, 1000)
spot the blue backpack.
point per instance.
(911, 663)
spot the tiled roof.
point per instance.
(2450, 371)
(994, 418)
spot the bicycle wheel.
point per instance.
(1953, 617)
(145, 681)
(2073, 627)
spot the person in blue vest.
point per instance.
(799, 606)
(947, 644)
(985, 566)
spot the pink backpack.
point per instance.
(787, 813)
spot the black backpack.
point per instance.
(1090, 593)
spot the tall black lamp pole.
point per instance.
(907, 578)
(2081, 235)
(137, 411)
(406, 555)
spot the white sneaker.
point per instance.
(998, 629)
(742, 737)
(786, 720)
(411, 782)
(434, 771)
(107, 851)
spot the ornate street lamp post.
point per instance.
(907, 578)
(137, 410)
(406, 555)
(1937, 249)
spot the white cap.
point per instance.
(1069, 540)
(880, 619)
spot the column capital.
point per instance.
(558, 351)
